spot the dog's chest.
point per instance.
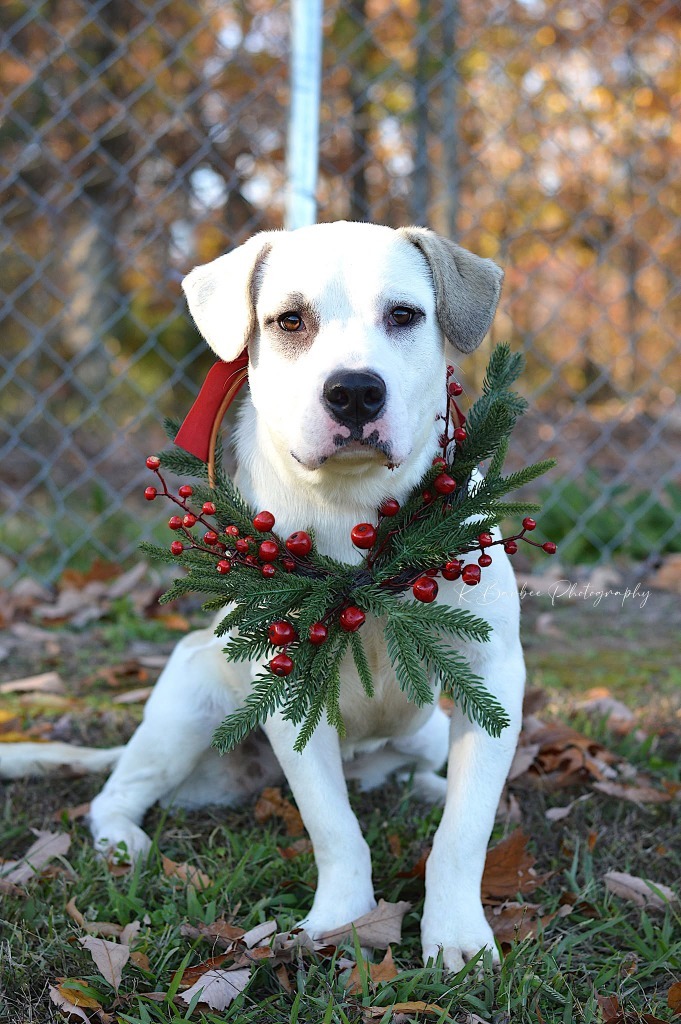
(388, 713)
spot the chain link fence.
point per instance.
(141, 138)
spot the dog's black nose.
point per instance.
(354, 397)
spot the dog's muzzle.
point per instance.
(354, 397)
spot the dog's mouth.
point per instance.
(355, 450)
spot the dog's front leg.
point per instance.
(344, 887)
(453, 917)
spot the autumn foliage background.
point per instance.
(140, 139)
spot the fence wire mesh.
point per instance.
(141, 138)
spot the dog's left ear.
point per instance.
(221, 298)
(467, 287)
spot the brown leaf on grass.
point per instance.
(186, 873)
(46, 846)
(116, 676)
(512, 922)
(192, 973)
(609, 1007)
(637, 794)
(173, 620)
(415, 1006)
(395, 844)
(565, 757)
(130, 932)
(643, 892)
(220, 933)
(110, 958)
(419, 868)
(45, 682)
(140, 960)
(271, 804)
(668, 576)
(72, 813)
(254, 936)
(106, 928)
(523, 759)
(218, 988)
(377, 929)
(377, 973)
(10, 889)
(509, 869)
(674, 997)
(66, 1006)
(300, 846)
(137, 696)
(283, 978)
(75, 996)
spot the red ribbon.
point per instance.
(219, 389)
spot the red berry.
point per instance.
(460, 434)
(549, 547)
(153, 462)
(185, 491)
(281, 665)
(208, 508)
(232, 531)
(529, 523)
(189, 520)
(150, 493)
(454, 389)
(439, 461)
(224, 566)
(299, 543)
(288, 564)
(431, 572)
(263, 522)
(281, 633)
(177, 547)
(485, 560)
(268, 551)
(317, 633)
(174, 522)
(390, 507)
(470, 574)
(351, 618)
(363, 535)
(450, 370)
(268, 571)
(241, 545)
(251, 560)
(427, 497)
(485, 539)
(425, 589)
(510, 547)
(452, 570)
(444, 483)
(210, 537)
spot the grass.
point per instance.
(603, 946)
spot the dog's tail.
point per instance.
(27, 760)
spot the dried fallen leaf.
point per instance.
(186, 873)
(523, 759)
(45, 682)
(377, 973)
(674, 997)
(512, 922)
(66, 1006)
(72, 813)
(283, 978)
(192, 973)
(76, 996)
(46, 846)
(609, 1007)
(261, 931)
(271, 804)
(643, 892)
(417, 1006)
(377, 929)
(640, 794)
(138, 696)
(218, 988)
(509, 869)
(110, 958)
(300, 846)
(140, 960)
(219, 932)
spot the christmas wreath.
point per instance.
(299, 612)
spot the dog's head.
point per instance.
(345, 325)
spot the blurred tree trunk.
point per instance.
(359, 199)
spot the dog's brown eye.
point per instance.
(401, 316)
(290, 322)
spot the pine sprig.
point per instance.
(435, 528)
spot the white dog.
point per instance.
(346, 326)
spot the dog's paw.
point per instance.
(327, 915)
(120, 840)
(459, 944)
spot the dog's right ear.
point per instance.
(221, 295)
